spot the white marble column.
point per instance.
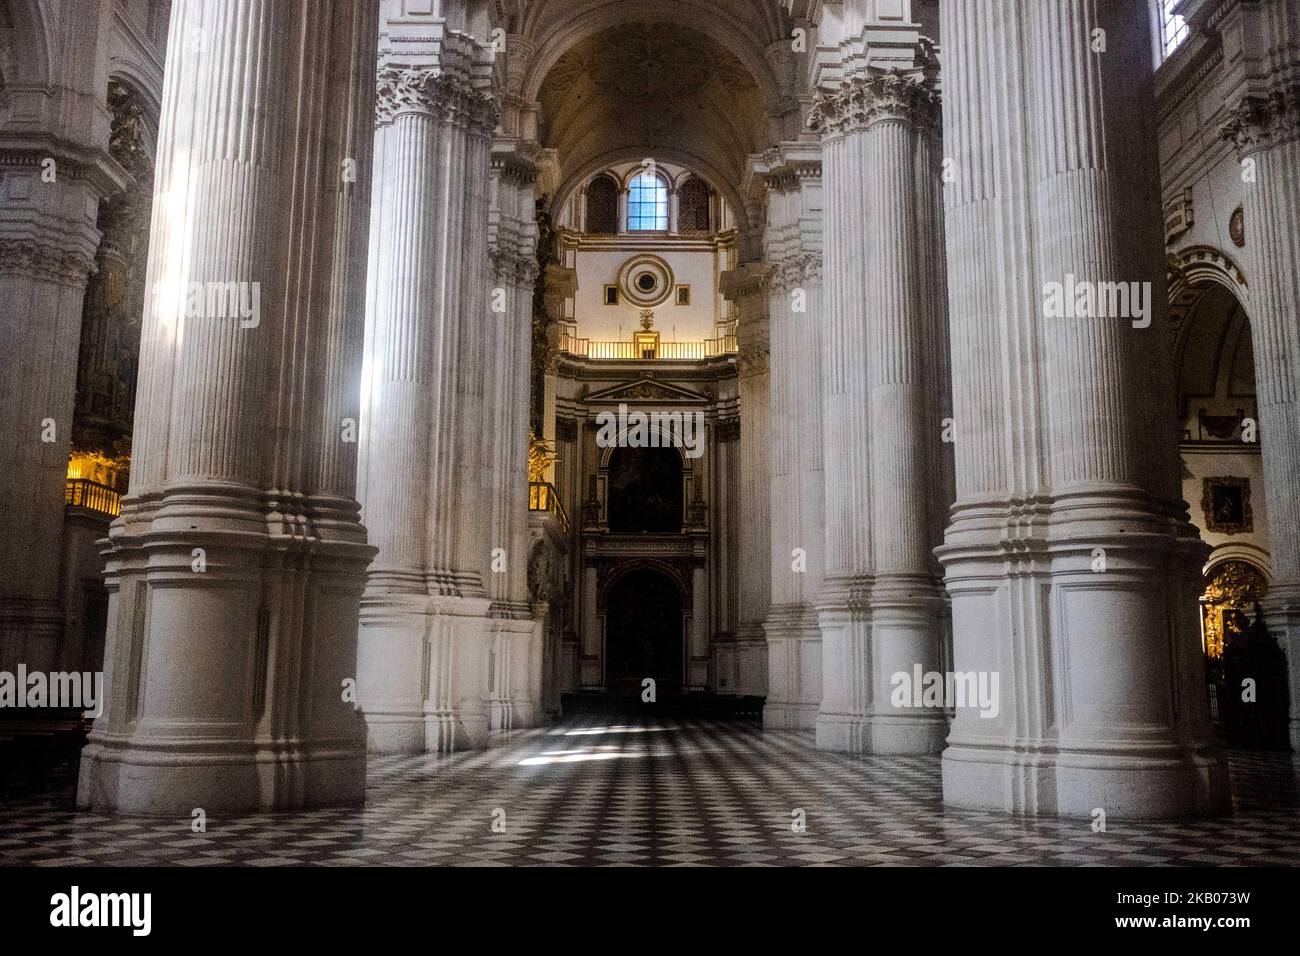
(236, 567)
(1071, 564)
(425, 471)
(875, 126)
(1266, 130)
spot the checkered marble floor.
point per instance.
(675, 793)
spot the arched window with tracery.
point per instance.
(602, 207)
(647, 204)
(693, 214)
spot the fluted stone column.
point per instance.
(883, 611)
(236, 567)
(1072, 566)
(516, 655)
(746, 288)
(425, 636)
(789, 178)
(1266, 130)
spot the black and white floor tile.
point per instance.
(672, 793)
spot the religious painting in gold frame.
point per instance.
(1225, 503)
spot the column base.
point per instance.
(785, 715)
(846, 733)
(422, 666)
(794, 667)
(899, 734)
(147, 778)
(1075, 784)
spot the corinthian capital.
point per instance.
(872, 98)
(1261, 121)
(435, 93)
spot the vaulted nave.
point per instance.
(649, 431)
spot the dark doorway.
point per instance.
(645, 490)
(643, 634)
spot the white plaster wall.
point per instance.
(1200, 464)
(693, 263)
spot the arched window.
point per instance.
(647, 204)
(602, 207)
(693, 215)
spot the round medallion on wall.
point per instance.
(1237, 227)
(646, 281)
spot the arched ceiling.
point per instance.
(636, 88)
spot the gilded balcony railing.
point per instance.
(91, 495)
(542, 496)
(625, 351)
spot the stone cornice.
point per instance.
(871, 98)
(435, 93)
(1262, 121)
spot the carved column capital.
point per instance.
(435, 93)
(1261, 121)
(871, 98)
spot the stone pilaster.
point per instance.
(516, 657)
(237, 564)
(790, 180)
(1266, 130)
(746, 288)
(425, 638)
(1070, 561)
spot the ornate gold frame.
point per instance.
(1209, 486)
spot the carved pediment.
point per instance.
(647, 390)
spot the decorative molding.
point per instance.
(794, 272)
(1180, 215)
(435, 93)
(867, 99)
(1262, 121)
(510, 265)
(45, 262)
(646, 390)
(728, 429)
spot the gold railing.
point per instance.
(84, 493)
(673, 351)
(542, 496)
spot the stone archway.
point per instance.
(644, 633)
